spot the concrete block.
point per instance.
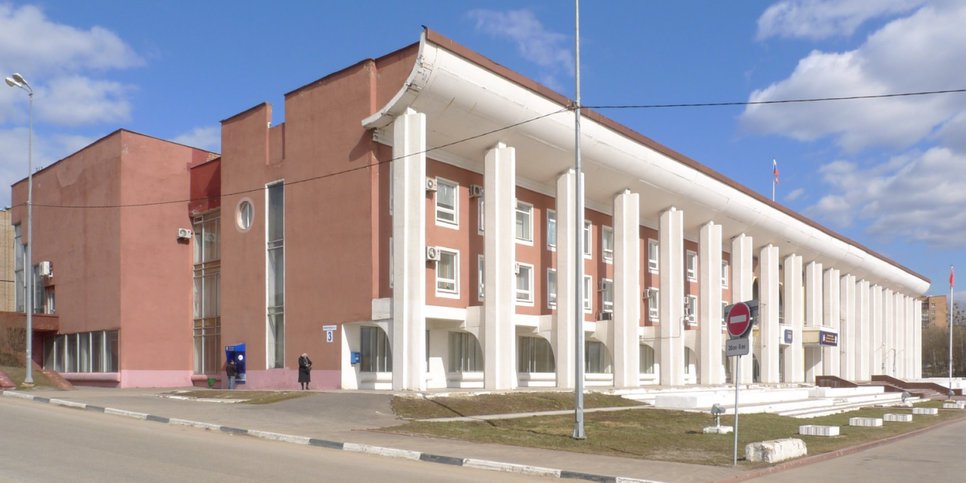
(818, 430)
(775, 450)
(954, 405)
(718, 429)
(929, 411)
(897, 418)
(867, 422)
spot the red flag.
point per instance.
(952, 276)
(774, 169)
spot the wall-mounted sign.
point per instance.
(828, 338)
(789, 336)
(329, 332)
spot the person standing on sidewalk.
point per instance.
(305, 370)
(232, 370)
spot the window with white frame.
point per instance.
(480, 214)
(588, 239)
(653, 256)
(447, 273)
(551, 288)
(724, 314)
(534, 354)
(20, 282)
(691, 263)
(596, 360)
(607, 243)
(465, 354)
(551, 229)
(646, 363)
(275, 275)
(524, 285)
(447, 202)
(691, 309)
(82, 352)
(653, 304)
(524, 222)
(607, 295)
(207, 293)
(480, 267)
(588, 294)
(375, 350)
(724, 274)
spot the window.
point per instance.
(653, 304)
(465, 354)
(82, 352)
(207, 293)
(691, 262)
(607, 243)
(653, 256)
(588, 239)
(244, 215)
(724, 274)
(688, 360)
(38, 301)
(551, 229)
(20, 281)
(691, 309)
(724, 314)
(551, 288)
(534, 355)
(524, 228)
(646, 364)
(375, 351)
(447, 273)
(607, 295)
(588, 294)
(275, 275)
(524, 284)
(480, 267)
(480, 215)
(447, 202)
(596, 360)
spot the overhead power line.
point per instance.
(775, 101)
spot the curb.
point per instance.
(352, 447)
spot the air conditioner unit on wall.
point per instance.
(184, 233)
(430, 184)
(45, 269)
(605, 316)
(432, 254)
(516, 269)
(476, 191)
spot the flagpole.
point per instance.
(951, 283)
(774, 178)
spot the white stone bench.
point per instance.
(718, 429)
(897, 418)
(867, 422)
(818, 430)
(954, 405)
(929, 411)
(775, 450)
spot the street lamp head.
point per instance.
(17, 80)
(11, 82)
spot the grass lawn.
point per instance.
(655, 434)
(247, 397)
(522, 402)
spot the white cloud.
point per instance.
(820, 19)
(206, 137)
(795, 194)
(917, 196)
(77, 100)
(46, 151)
(924, 51)
(536, 44)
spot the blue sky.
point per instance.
(889, 173)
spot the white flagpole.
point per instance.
(951, 283)
(774, 167)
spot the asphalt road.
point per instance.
(40, 443)
(934, 456)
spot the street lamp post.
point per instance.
(17, 80)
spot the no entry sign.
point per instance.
(739, 320)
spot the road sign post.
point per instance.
(739, 324)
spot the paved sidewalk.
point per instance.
(350, 421)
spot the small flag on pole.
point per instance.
(952, 276)
(774, 169)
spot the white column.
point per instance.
(887, 356)
(916, 339)
(671, 329)
(908, 337)
(814, 312)
(498, 330)
(564, 330)
(627, 289)
(794, 357)
(863, 344)
(877, 328)
(709, 304)
(897, 330)
(832, 309)
(409, 252)
(847, 341)
(743, 279)
(768, 314)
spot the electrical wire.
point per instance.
(775, 101)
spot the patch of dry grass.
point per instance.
(247, 397)
(521, 402)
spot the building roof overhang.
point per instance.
(472, 103)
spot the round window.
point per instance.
(244, 215)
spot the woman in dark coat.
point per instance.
(305, 370)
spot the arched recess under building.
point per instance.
(374, 367)
(647, 365)
(536, 366)
(598, 367)
(690, 366)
